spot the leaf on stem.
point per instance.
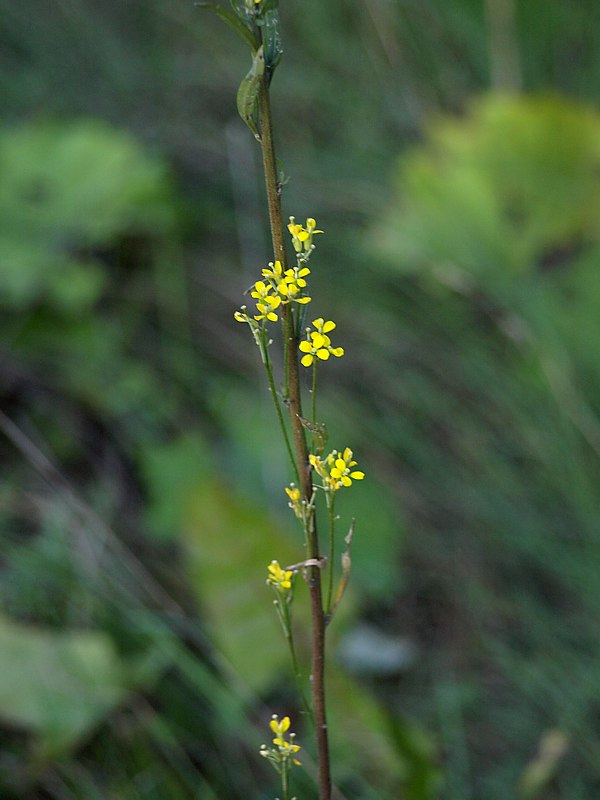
(247, 96)
(271, 40)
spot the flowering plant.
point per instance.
(281, 296)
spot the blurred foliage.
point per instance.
(138, 456)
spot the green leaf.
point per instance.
(229, 542)
(234, 22)
(271, 40)
(61, 685)
(247, 96)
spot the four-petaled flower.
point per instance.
(302, 236)
(284, 749)
(318, 343)
(336, 469)
(280, 579)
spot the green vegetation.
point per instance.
(140, 657)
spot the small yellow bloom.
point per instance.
(285, 748)
(266, 303)
(274, 271)
(279, 578)
(336, 469)
(287, 284)
(318, 343)
(279, 728)
(302, 236)
(295, 500)
(242, 315)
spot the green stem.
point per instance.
(269, 369)
(314, 394)
(289, 635)
(303, 468)
(330, 509)
(284, 782)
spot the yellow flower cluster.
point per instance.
(318, 343)
(287, 284)
(285, 749)
(280, 579)
(336, 469)
(282, 286)
(302, 237)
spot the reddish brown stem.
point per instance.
(299, 436)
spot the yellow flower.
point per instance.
(336, 469)
(274, 271)
(302, 236)
(295, 500)
(266, 303)
(285, 748)
(280, 579)
(279, 728)
(288, 284)
(318, 343)
(242, 315)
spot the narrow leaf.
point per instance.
(247, 96)
(271, 40)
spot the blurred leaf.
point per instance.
(173, 471)
(397, 757)
(61, 685)
(229, 543)
(66, 190)
(500, 193)
(422, 778)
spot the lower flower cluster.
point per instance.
(282, 755)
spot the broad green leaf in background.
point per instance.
(59, 686)
(509, 189)
(229, 543)
(66, 189)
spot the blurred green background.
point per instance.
(451, 151)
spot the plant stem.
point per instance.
(330, 509)
(269, 369)
(295, 410)
(284, 783)
(287, 626)
(314, 393)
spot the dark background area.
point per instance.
(451, 152)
